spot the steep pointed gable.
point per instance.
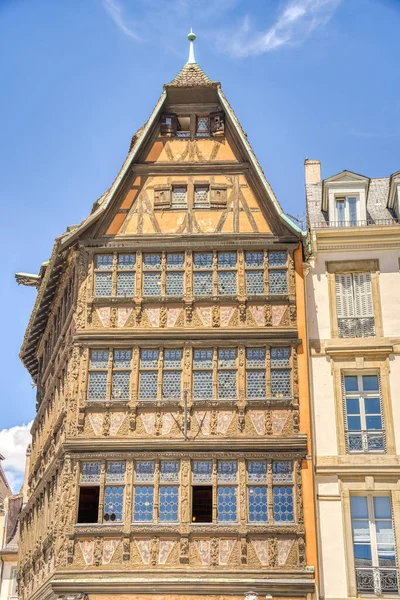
(191, 75)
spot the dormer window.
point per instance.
(346, 211)
(183, 129)
(202, 126)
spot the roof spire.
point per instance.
(191, 37)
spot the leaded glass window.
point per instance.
(179, 194)
(175, 272)
(126, 274)
(227, 273)
(277, 263)
(148, 374)
(283, 491)
(226, 498)
(202, 471)
(277, 258)
(98, 370)
(202, 275)
(227, 372)
(201, 196)
(169, 470)
(152, 274)
(202, 373)
(202, 126)
(280, 373)
(256, 471)
(172, 373)
(90, 472)
(144, 470)
(254, 269)
(121, 375)
(115, 472)
(143, 504)
(257, 503)
(113, 503)
(103, 274)
(168, 503)
(255, 373)
(227, 471)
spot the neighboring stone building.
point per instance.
(10, 508)
(171, 450)
(353, 304)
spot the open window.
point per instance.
(88, 510)
(202, 504)
(168, 125)
(183, 126)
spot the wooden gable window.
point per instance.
(162, 197)
(217, 123)
(183, 126)
(168, 125)
(218, 196)
(202, 126)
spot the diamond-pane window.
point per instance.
(255, 382)
(258, 508)
(227, 282)
(169, 470)
(227, 384)
(97, 385)
(202, 471)
(113, 503)
(174, 284)
(201, 197)
(148, 384)
(144, 470)
(143, 507)
(280, 383)
(171, 384)
(277, 258)
(202, 283)
(280, 357)
(120, 385)
(283, 504)
(227, 470)
(103, 284)
(125, 284)
(255, 282)
(202, 385)
(168, 503)
(179, 197)
(115, 472)
(278, 282)
(91, 472)
(226, 496)
(203, 127)
(152, 284)
(256, 471)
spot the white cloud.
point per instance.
(13, 444)
(115, 11)
(297, 20)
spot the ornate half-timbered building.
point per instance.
(170, 450)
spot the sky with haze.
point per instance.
(306, 78)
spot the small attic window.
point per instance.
(202, 126)
(168, 125)
(183, 129)
(217, 123)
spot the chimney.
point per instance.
(312, 170)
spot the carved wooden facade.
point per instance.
(188, 263)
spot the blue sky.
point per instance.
(307, 78)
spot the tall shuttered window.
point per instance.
(355, 312)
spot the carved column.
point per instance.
(214, 490)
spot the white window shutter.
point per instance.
(344, 295)
(363, 295)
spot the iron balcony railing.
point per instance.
(365, 441)
(377, 580)
(356, 327)
(356, 223)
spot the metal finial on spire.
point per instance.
(191, 37)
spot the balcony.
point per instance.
(365, 441)
(356, 327)
(377, 580)
(356, 223)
